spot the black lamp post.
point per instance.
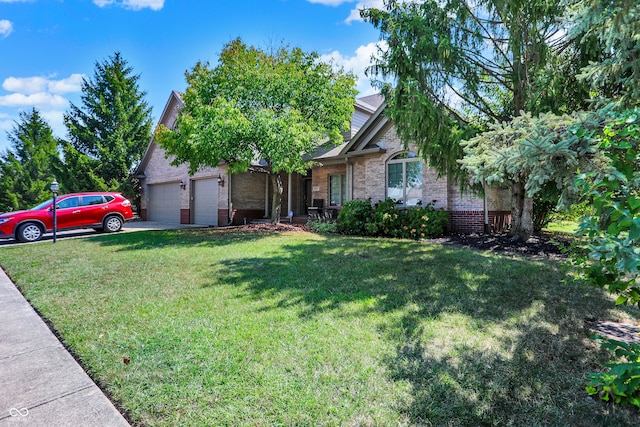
(54, 189)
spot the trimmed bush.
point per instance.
(357, 217)
(354, 217)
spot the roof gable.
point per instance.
(168, 118)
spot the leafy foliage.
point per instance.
(357, 217)
(259, 105)
(26, 170)
(545, 153)
(614, 25)
(457, 65)
(621, 381)
(323, 226)
(613, 235)
(354, 217)
(111, 129)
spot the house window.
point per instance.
(404, 179)
(337, 189)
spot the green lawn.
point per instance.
(231, 329)
(566, 227)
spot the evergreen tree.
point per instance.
(615, 25)
(26, 171)
(112, 127)
(458, 65)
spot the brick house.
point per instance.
(372, 163)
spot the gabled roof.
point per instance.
(370, 102)
(168, 118)
(361, 143)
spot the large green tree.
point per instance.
(26, 170)
(260, 110)
(456, 65)
(615, 26)
(112, 127)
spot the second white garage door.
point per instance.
(164, 203)
(205, 202)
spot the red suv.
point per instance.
(100, 211)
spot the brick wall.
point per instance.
(370, 174)
(159, 170)
(320, 180)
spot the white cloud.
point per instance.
(33, 85)
(357, 64)
(40, 100)
(132, 4)
(71, 84)
(6, 28)
(48, 95)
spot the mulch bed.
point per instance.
(540, 245)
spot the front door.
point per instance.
(307, 193)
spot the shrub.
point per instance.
(609, 256)
(387, 220)
(323, 226)
(621, 382)
(354, 217)
(422, 222)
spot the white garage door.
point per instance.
(205, 202)
(163, 203)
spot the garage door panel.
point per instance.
(205, 202)
(164, 203)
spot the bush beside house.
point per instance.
(359, 217)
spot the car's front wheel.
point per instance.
(29, 232)
(112, 224)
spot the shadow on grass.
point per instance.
(533, 367)
(479, 339)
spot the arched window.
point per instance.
(404, 179)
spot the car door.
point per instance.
(68, 212)
(93, 209)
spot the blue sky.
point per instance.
(48, 46)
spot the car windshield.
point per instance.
(41, 205)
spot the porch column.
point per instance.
(349, 174)
(289, 193)
(266, 195)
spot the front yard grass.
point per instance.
(224, 328)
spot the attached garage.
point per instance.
(163, 203)
(205, 201)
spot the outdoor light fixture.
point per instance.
(54, 189)
(182, 184)
(221, 180)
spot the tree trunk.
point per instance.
(521, 212)
(276, 184)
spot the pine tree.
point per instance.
(112, 127)
(26, 171)
(615, 25)
(457, 65)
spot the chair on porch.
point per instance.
(315, 210)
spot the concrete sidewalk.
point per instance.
(41, 384)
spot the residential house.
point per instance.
(372, 163)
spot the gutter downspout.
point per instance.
(485, 203)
